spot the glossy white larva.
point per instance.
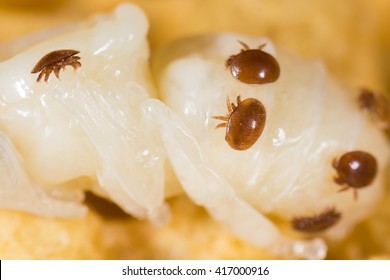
(288, 172)
(85, 124)
(102, 123)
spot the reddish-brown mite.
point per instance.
(244, 122)
(355, 170)
(253, 66)
(377, 105)
(55, 61)
(318, 222)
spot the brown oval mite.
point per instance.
(355, 169)
(316, 223)
(244, 122)
(377, 105)
(253, 66)
(55, 61)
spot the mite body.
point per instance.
(377, 105)
(54, 62)
(253, 66)
(356, 169)
(244, 122)
(316, 223)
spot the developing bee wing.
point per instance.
(131, 169)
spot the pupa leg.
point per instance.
(210, 190)
(18, 192)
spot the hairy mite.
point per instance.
(55, 61)
(377, 105)
(253, 66)
(318, 222)
(244, 122)
(355, 169)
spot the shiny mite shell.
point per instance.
(316, 223)
(55, 61)
(244, 122)
(356, 169)
(253, 66)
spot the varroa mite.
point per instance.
(356, 169)
(55, 61)
(253, 66)
(244, 122)
(377, 105)
(316, 223)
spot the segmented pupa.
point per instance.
(289, 172)
(101, 122)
